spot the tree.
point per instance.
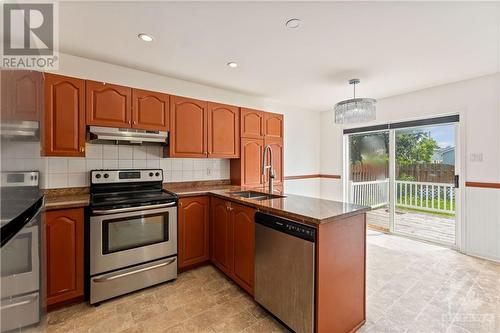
(414, 147)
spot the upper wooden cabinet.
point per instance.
(252, 123)
(247, 170)
(64, 117)
(273, 125)
(193, 228)
(64, 234)
(244, 246)
(278, 160)
(188, 127)
(108, 105)
(22, 95)
(223, 131)
(221, 235)
(150, 110)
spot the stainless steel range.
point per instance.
(133, 232)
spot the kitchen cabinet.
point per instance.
(150, 110)
(22, 95)
(64, 116)
(243, 246)
(64, 241)
(188, 127)
(220, 230)
(193, 231)
(233, 241)
(247, 170)
(108, 104)
(252, 123)
(278, 162)
(273, 125)
(223, 131)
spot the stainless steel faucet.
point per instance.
(269, 166)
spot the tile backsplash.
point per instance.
(60, 172)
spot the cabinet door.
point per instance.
(188, 127)
(220, 229)
(108, 105)
(273, 125)
(150, 110)
(223, 131)
(64, 119)
(64, 234)
(27, 95)
(251, 161)
(252, 123)
(193, 224)
(244, 246)
(278, 159)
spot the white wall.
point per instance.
(478, 103)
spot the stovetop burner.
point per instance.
(128, 188)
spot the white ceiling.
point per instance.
(392, 47)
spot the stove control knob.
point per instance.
(106, 175)
(98, 176)
(151, 174)
(157, 174)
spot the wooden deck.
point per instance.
(431, 227)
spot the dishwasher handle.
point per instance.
(286, 226)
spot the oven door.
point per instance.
(21, 262)
(122, 239)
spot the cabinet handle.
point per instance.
(135, 122)
(82, 149)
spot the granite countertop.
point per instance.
(312, 211)
(66, 198)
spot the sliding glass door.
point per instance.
(368, 175)
(407, 176)
(425, 200)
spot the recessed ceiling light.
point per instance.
(232, 64)
(145, 37)
(293, 23)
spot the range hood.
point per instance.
(98, 134)
(20, 130)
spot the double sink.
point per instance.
(256, 195)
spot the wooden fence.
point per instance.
(429, 172)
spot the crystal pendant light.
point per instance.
(355, 110)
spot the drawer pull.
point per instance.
(118, 276)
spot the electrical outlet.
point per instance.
(476, 157)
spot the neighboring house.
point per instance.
(444, 156)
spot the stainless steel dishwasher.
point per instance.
(284, 270)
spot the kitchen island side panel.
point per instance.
(341, 275)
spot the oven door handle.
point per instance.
(26, 301)
(118, 276)
(131, 209)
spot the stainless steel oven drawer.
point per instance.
(123, 281)
(21, 311)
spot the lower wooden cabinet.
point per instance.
(192, 227)
(233, 241)
(64, 241)
(243, 227)
(220, 229)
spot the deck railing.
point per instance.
(432, 197)
(372, 193)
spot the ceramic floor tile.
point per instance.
(411, 287)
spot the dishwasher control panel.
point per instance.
(287, 226)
